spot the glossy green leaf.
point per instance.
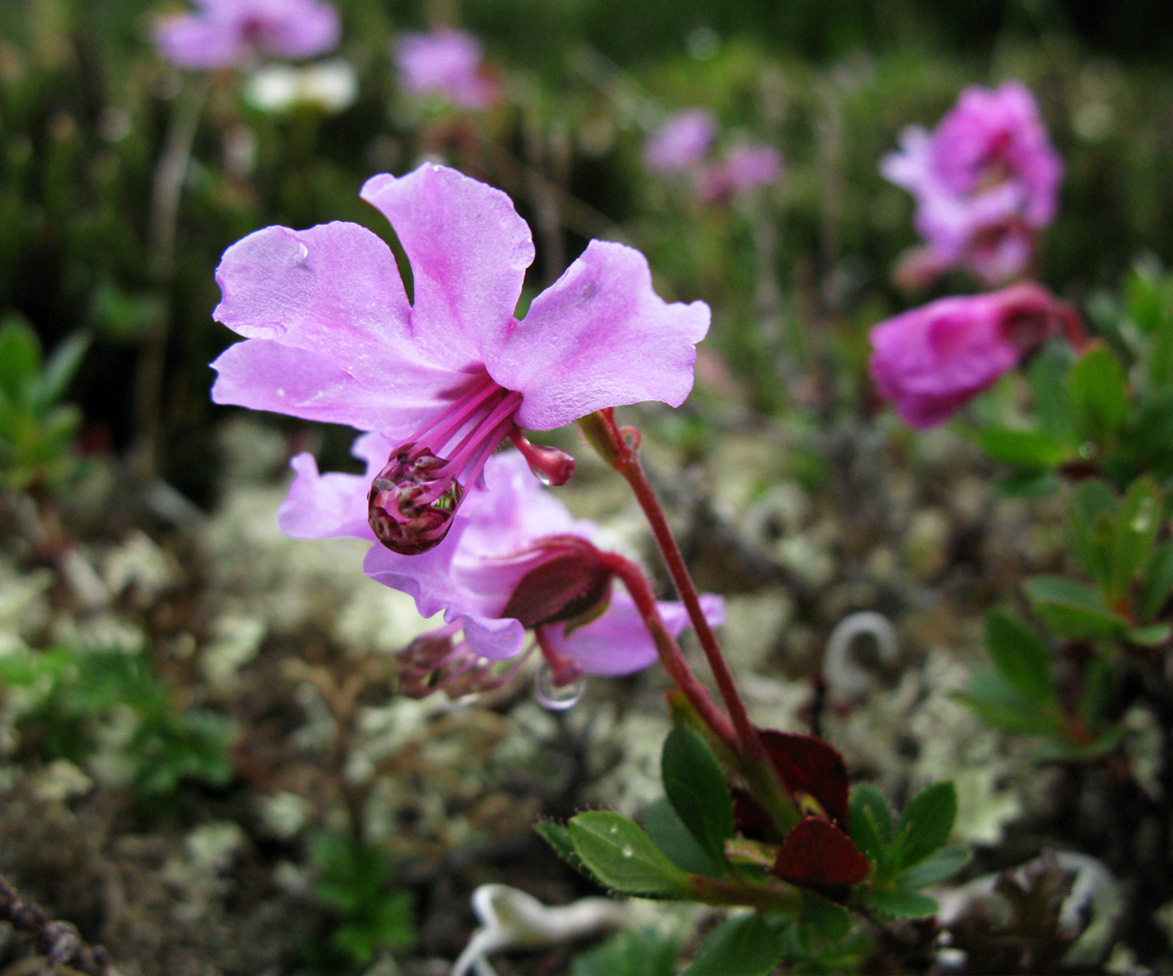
(1141, 518)
(1021, 655)
(697, 789)
(1075, 611)
(1156, 583)
(925, 824)
(618, 852)
(900, 903)
(1026, 448)
(870, 821)
(558, 837)
(743, 946)
(667, 832)
(1099, 394)
(939, 866)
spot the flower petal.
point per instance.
(468, 250)
(599, 337)
(263, 374)
(333, 504)
(333, 290)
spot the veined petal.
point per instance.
(468, 250)
(618, 642)
(332, 504)
(599, 337)
(333, 290)
(264, 374)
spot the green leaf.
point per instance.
(900, 902)
(1099, 394)
(1072, 609)
(642, 953)
(1156, 583)
(20, 358)
(1030, 449)
(925, 824)
(1140, 519)
(558, 837)
(999, 704)
(1048, 374)
(59, 371)
(832, 922)
(939, 866)
(670, 835)
(870, 821)
(745, 946)
(1021, 655)
(1090, 517)
(697, 789)
(618, 852)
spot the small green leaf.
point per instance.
(1031, 449)
(558, 837)
(20, 358)
(1072, 609)
(999, 704)
(745, 946)
(1021, 655)
(697, 789)
(900, 903)
(1140, 519)
(60, 369)
(618, 852)
(1099, 394)
(925, 824)
(642, 953)
(1048, 374)
(1156, 584)
(870, 821)
(674, 839)
(939, 866)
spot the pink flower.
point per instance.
(224, 33)
(682, 143)
(746, 167)
(932, 360)
(446, 63)
(330, 336)
(514, 561)
(986, 182)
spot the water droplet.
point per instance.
(554, 696)
(627, 850)
(1143, 520)
(1088, 450)
(613, 830)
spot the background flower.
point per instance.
(447, 63)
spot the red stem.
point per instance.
(669, 650)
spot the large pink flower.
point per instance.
(514, 561)
(224, 33)
(330, 336)
(446, 63)
(932, 360)
(985, 182)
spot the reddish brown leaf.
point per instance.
(818, 853)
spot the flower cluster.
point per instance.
(447, 63)
(684, 144)
(437, 384)
(232, 33)
(985, 182)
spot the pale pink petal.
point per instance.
(194, 42)
(321, 505)
(334, 290)
(598, 337)
(468, 250)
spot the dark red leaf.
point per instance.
(810, 769)
(569, 579)
(818, 853)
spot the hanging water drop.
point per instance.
(627, 850)
(554, 696)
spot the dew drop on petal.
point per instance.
(556, 697)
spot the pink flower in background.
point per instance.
(746, 167)
(514, 561)
(225, 33)
(446, 63)
(330, 336)
(682, 143)
(932, 360)
(986, 182)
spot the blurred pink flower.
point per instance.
(447, 63)
(226, 33)
(746, 167)
(986, 182)
(330, 336)
(682, 143)
(932, 360)
(514, 561)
